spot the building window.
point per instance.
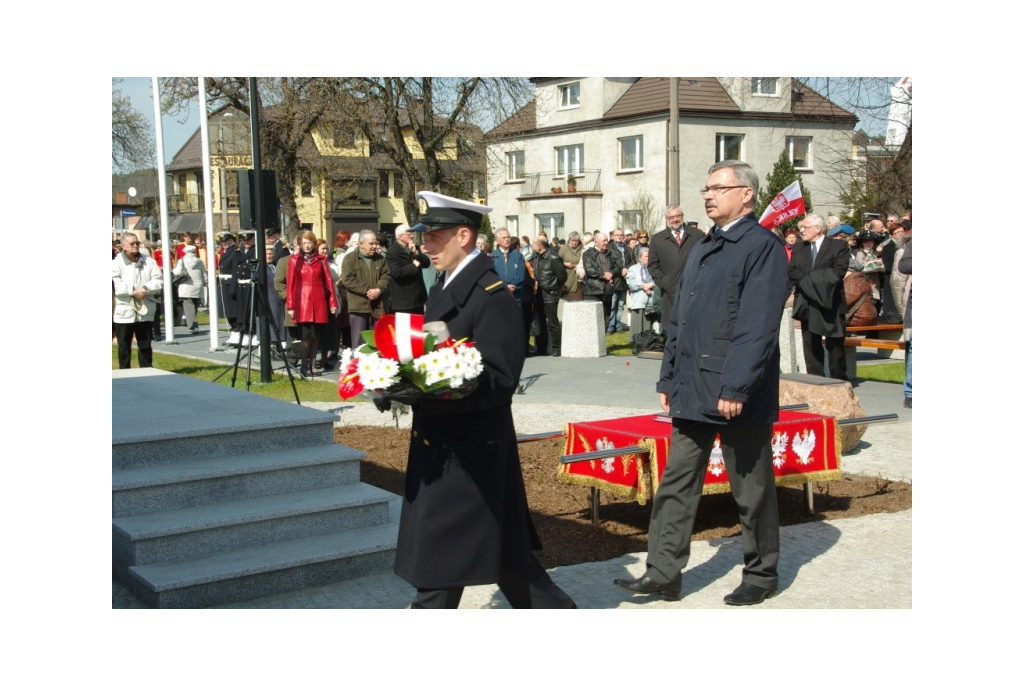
(345, 137)
(569, 95)
(512, 224)
(799, 149)
(398, 184)
(306, 183)
(630, 218)
(764, 85)
(231, 188)
(385, 184)
(728, 146)
(569, 160)
(182, 185)
(515, 163)
(552, 224)
(631, 153)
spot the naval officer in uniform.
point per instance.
(464, 517)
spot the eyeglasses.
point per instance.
(718, 190)
(133, 243)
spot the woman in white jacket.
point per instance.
(190, 277)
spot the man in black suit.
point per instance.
(819, 304)
(405, 262)
(667, 257)
(465, 519)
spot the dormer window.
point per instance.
(764, 85)
(569, 95)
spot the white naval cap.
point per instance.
(445, 212)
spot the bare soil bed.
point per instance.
(561, 511)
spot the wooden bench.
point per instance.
(875, 343)
(875, 328)
(884, 337)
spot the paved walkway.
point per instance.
(823, 564)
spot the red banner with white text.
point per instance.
(786, 205)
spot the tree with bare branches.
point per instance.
(290, 108)
(880, 180)
(440, 113)
(132, 134)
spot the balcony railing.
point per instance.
(553, 183)
(190, 202)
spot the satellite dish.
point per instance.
(132, 192)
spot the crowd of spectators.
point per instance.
(633, 274)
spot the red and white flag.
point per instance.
(786, 205)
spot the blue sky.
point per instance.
(140, 90)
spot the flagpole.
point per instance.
(673, 140)
(161, 177)
(213, 296)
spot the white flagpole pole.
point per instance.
(211, 247)
(161, 177)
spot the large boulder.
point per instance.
(825, 396)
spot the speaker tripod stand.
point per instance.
(257, 305)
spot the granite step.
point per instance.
(158, 487)
(241, 575)
(180, 446)
(200, 531)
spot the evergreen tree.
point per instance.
(783, 174)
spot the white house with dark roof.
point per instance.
(611, 135)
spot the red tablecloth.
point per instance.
(805, 448)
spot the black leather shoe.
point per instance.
(908, 402)
(646, 585)
(747, 594)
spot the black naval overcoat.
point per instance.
(227, 264)
(465, 516)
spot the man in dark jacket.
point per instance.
(628, 258)
(405, 262)
(511, 267)
(367, 280)
(273, 240)
(669, 250)
(550, 275)
(720, 377)
(886, 249)
(601, 266)
(465, 519)
(819, 300)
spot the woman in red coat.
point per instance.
(311, 296)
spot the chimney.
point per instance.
(122, 198)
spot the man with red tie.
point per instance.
(669, 250)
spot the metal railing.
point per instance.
(553, 183)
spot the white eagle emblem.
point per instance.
(780, 203)
(779, 443)
(804, 446)
(716, 464)
(607, 465)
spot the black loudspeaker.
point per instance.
(247, 199)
